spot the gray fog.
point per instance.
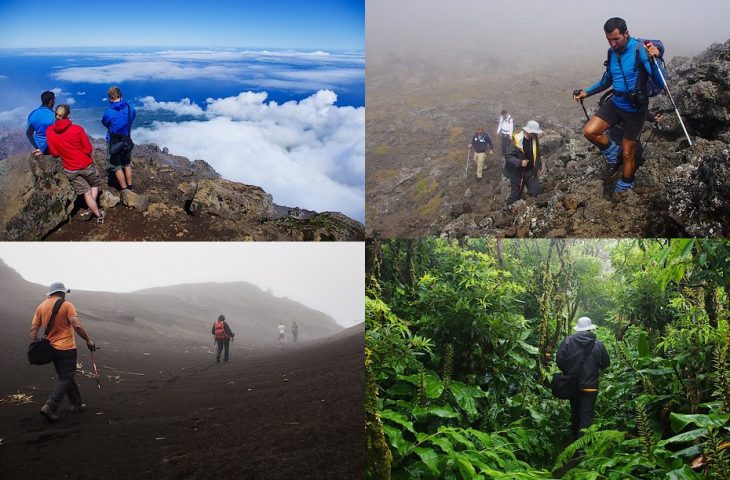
(329, 277)
(440, 33)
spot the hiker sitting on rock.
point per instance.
(583, 357)
(505, 129)
(523, 162)
(61, 336)
(38, 121)
(223, 336)
(71, 143)
(118, 120)
(479, 143)
(627, 66)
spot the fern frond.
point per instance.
(591, 439)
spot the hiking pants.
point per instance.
(531, 183)
(479, 158)
(64, 361)
(582, 406)
(506, 142)
(221, 345)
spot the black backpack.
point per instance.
(565, 385)
(645, 81)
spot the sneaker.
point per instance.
(48, 413)
(623, 186)
(77, 408)
(100, 218)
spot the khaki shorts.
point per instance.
(82, 180)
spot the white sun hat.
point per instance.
(584, 323)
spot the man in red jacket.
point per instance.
(70, 142)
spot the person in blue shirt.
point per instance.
(118, 120)
(629, 103)
(38, 121)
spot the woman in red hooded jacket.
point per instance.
(70, 142)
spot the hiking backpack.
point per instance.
(645, 80)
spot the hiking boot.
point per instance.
(77, 408)
(610, 171)
(623, 186)
(612, 153)
(48, 413)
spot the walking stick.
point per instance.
(575, 94)
(666, 89)
(522, 181)
(96, 371)
(466, 170)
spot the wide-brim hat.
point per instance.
(57, 287)
(584, 324)
(532, 127)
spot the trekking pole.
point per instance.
(96, 371)
(671, 99)
(575, 94)
(466, 170)
(522, 181)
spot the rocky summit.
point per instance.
(173, 199)
(416, 182)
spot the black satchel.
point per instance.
(566, 386)
(120, 142)
(40, 351)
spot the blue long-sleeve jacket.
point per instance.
(623, 65)
(38, 121)
(116, 119)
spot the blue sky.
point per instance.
(321, 24)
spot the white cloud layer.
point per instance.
(308, 154)
(16, 116)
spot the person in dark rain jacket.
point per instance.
(581, 355)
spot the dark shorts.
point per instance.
(118, 160)
(82, 180)
(633, 121)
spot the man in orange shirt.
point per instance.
(63, 342)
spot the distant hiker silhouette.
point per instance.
(64, 322)
(38, 121)
(629, 64)
(282, 333)
(223, 336)
(294, 331)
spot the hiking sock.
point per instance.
(612, 153)
(624, 184)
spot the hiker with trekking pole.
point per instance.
(479, 143)
(58, 345)
(523, 162)
(635, 75)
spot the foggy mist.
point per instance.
(442, 33)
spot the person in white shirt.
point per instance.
(505, 129)
(282, 333)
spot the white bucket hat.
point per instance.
(57, 287)
(584, 323)
(532, 127)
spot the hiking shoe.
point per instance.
(100, 218)
(612, 153)
(610, 171)
(77, 408)
(48, 413)
(623, 186)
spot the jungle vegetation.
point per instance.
(460, 348)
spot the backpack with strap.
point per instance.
(220, 330)
(121, 142)
(565, 385)
(645, 82)
(41, 351)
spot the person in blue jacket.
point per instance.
(38, 121)
(118, 120)
(629, 103)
